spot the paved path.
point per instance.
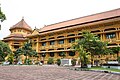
(51, 73)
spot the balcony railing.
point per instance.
(61, 45)
(51, 46)
(43, 47)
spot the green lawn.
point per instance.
(106, 69)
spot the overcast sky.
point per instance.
(44, 12)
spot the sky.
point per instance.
(38, 13)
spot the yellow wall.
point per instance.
(104, 30)
(12, 43)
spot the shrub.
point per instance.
(10, 58)
(58, 62)
(73, 61)
(50, 61)
(27, 61)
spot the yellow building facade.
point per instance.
(18, 35)
(54, 39)
(51, 40)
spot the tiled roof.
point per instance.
(21, 24)
(81, 20)
(15, 37)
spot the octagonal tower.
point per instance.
(18, 35)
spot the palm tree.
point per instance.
(82, 54)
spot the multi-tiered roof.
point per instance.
(15, 36)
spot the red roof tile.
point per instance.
(21, 24)
(90, 18)
(15, 37)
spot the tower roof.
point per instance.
(15, 37)
(21, 24)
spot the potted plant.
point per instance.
(58, 62)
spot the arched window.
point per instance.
(60, 37)
(71, 53)
(51, 54)
(71, 35)
(61, 41)
(71, 40)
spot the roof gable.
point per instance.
(35, 31)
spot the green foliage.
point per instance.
(18, 52)
(118, 59)
(2, 16)
(58, 62)
(105, 69)
(33, 53)
(27, 61)
(62, 54)
(115, 49)
(107, 51)
(4, 50)
(10, 58)
(89, 44)
(92, 44)
(50, 61)
(73, 61)
(27, 50)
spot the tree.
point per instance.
(82, 54)
(90, 43)
(10, 58)
(27, 48)
(17, 53)
(33, 53)
(4, 50)
(28, 51)
(2, 15)
(116, 50)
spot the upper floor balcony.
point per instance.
(43, 47)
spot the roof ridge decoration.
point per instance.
(21, 24)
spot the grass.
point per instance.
(105, 69)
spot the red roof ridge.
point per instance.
(88, 18)
(81, 17)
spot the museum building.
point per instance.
(52, 40)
